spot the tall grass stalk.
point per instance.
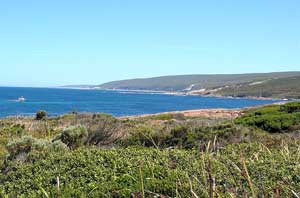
(142, 180)
(191, 188)
(58, 186)
(248, 176)
(44, 191)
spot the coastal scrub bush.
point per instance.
(40, 115)
(274, 118)
(237, 170)
(146, 136)
(187, 136)
(73, 136)
(291, 107)
(13, 130)
(25, 144)
(101, 129)
(9, 130)
(19, 149)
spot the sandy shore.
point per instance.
(208, 113)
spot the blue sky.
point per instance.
(49, 43)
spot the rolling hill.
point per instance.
(288, 87)
(273, 85)
(193, 82)
(276, 84)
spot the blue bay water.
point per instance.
(61, 101)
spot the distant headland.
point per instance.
(283, 85)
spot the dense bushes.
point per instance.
(274, 119)
(25, 145)
(73, 136)
(292, 107)
(20, 148)
(187, 135)
(187, 156)
(101, 128)
(248, 170)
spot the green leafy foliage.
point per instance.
(246, 169)
(27, 144)
(187, 135)
(274, 119)
(73, 136)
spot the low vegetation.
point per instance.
(249, 170)
(274, 118)
(97, 155)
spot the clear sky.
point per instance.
(60, 42)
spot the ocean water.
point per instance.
(117, 103)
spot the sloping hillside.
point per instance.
(277, 88)
(193, 82)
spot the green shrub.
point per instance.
(73, 136)
(13, 130)
(291, 107)
(18, 149)
(58, 146)
(274, 118)
(186, 136)
(25, 144)
(101, 128)
(40, 115)
(251, 170)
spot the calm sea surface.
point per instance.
(117, 103)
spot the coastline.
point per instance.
(177, 93)
(207, 113)
(214, 113)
